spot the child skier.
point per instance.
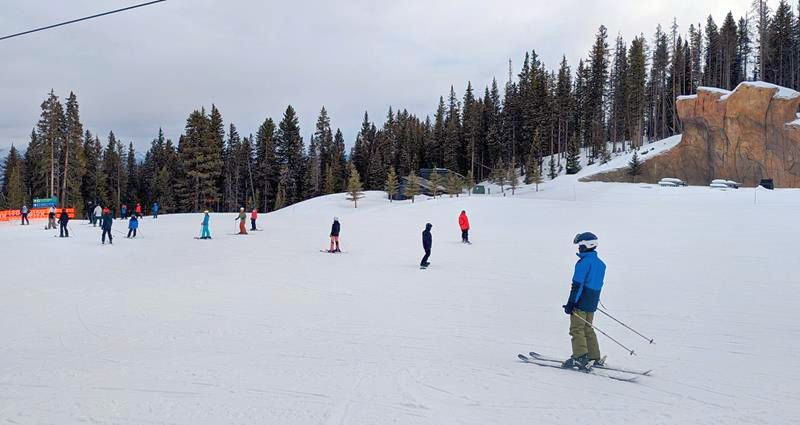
(205, 233)
(335, 229)
(587, 282)
(427, 244)
(123, 212)
(105, 224)
(133, 224)
(155, 209)
(242, 217)
(253, 218)
(463, 223)
(138, 210)
(63, 220)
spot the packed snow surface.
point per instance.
(266, 329)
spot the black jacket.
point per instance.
(106, 221)
(335, 228)
(427, 238)
(63, 218)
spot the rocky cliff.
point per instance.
(745, 135)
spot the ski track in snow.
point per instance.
(265, 329)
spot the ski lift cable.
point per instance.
(81, 19)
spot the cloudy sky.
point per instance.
(148, 68)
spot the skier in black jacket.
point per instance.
(335, 228)
(63, 220)
(427, 243)
(105, 224)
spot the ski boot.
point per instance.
(580, 363)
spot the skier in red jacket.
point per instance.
(253, 218)
(463, 223)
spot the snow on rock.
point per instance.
(265, 329)
(780, 93)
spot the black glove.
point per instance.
(568, 307)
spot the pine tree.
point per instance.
(500, 175)
(354, 187)
(536, 177)
(50, 136)
(552, 171)
(596, 92)
(762, 12)
(635, 92)
(573, 156)
(469, 184)
(13, 189)
(534, 158)
(436, 183)
(114, 170)
(618, 84)
(93, 184)
(392, 184)
(131, 171)
(73, 158)
(513, 179)
(283, 182)
(267, 169)
(289, 151)
(453, 184)
(412, 186)
(635, 165)
(781, 60)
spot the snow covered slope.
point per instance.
(265, 329)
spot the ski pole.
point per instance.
(607, 335)
(628, 327)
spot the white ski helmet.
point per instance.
(586, 241)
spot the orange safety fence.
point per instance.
(33, 214)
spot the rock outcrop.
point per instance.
(745, 135)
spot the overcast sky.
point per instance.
(150, 67)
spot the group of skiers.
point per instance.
(584, 296)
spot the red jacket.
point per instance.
(463, 221)
(138, 208)
(254, 214)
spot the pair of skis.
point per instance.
(616, 373)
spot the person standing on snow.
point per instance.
(253, 218)
(63, 220)
(427, 244)
(24, 213)
(98, 213)
(587, 283)
(51, 218)
(242, 218)
(205, 233)
(335, 229)
(105, 224)
(155, 209)
(463, 223)
(123, 212)
(138, 210)
(133, 224)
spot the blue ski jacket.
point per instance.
(587, 282)
(133, 223)
(205, 220)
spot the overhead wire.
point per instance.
(6, 37)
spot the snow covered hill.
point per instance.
(265, 329)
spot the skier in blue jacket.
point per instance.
(133, 224)
(205, 233)
(587, 283)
